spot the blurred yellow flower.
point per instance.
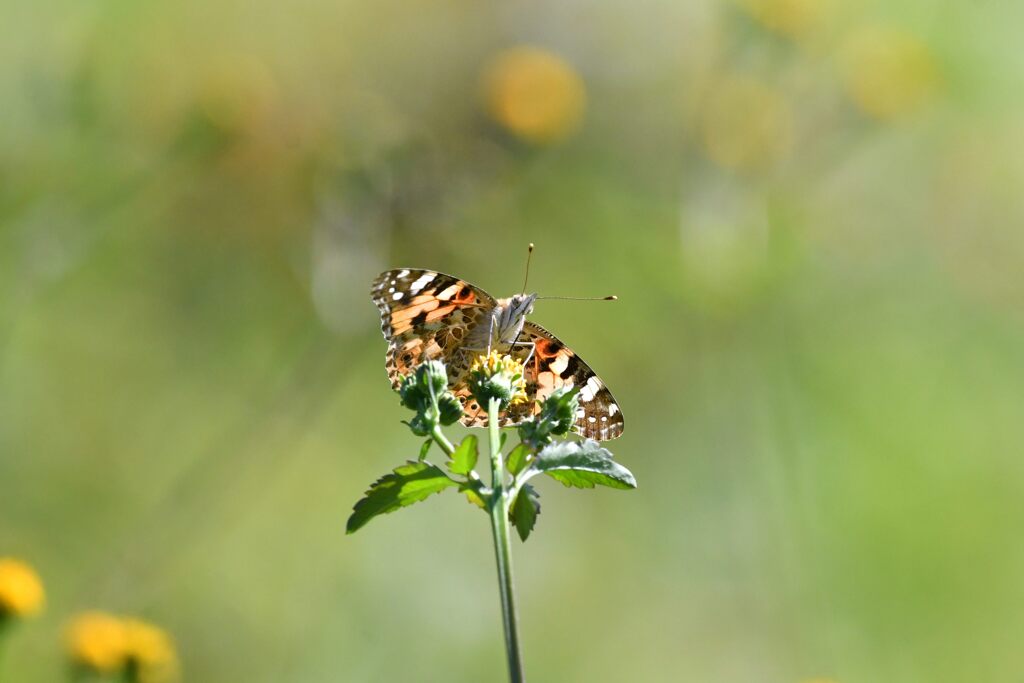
(149, 649)
(108, 644)
(793, 18)
(96, 640)
(535, 94)
(888, 73)
(745, 124)
(21, 591)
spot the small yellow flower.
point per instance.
(149, 649)
(108, 644)
(21, 591)
(535, 94)
(792, 18)
(888, 73)
(499, 376)
(746, 125)
(96, 640)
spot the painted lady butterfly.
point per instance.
(426, 315)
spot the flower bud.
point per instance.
(450, 408)
(420, 425)
(559, 409)
(557, 416)
(426, 392)
(432, 378)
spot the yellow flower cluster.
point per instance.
(21, 591)
(888, 73)
(495, 366)
(534, 94)
(746, 125)
(108, 644)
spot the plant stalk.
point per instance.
(499, 507)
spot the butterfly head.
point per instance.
(513, 314)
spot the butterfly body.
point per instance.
(426, 315)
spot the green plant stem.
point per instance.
(499, 506)
(442, 440)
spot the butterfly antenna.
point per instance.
(529, 254)
(611, 297)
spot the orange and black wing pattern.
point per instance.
(426, 315)
(552, 365)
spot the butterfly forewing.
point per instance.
(426, 315)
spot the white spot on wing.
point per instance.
(396, 296)
(403, 273)
(422, 282)
(560, 364)
(613, 408)
(590, 389)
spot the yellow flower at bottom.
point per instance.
(149, 649)
(21, 591)
(96, 640)
(498, 376)
(108, 644)
(535, 94)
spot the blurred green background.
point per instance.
(811, 212)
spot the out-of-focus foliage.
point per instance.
(810, 211)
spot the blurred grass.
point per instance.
(817, 344)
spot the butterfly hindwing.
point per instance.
(426, 315)
(552, 365)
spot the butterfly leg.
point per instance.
(533, 347)
(490, 333)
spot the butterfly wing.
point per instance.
(426, 315)
(553, 365)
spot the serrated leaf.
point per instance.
(424, 448)
(583, 464)
(517, 458)
(407, 484)
(525, 509)
(463, 460)
(473, 496)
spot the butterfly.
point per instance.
(426, 315)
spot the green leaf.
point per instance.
(501, 444)
(464, 458)
(473, 496)
(517, 458)
(525, 509)
(408, 484)
(424, 448)
(583, 464)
